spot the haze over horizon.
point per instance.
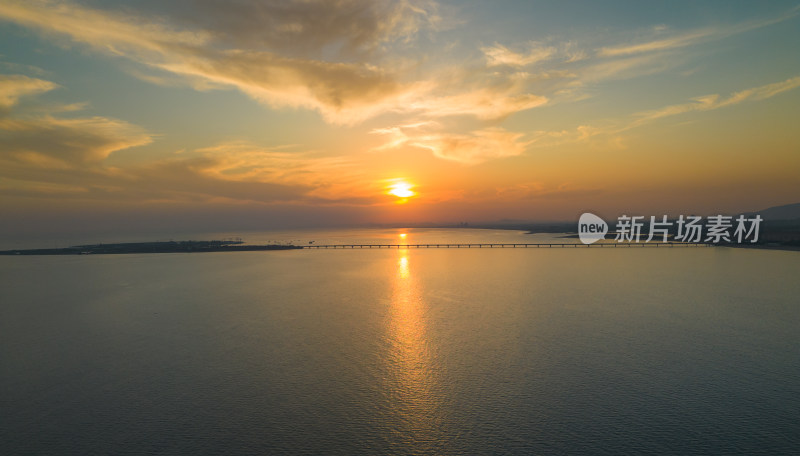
(150, 116)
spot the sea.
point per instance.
(404, 351)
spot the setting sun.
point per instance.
(401, 190)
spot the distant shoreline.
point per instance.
(153, 247)
(239, 246)
(770, 246)
(795, 248)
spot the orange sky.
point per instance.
(275, 114)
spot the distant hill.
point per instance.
(785, 212)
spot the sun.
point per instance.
(401, 190)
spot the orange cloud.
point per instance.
(46, 140)
(500, 55)
(13, 87)
(469, 149)
(714, 101)
(283, 67)
(344, 92)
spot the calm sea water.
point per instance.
(491, 351)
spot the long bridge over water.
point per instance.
(221, 246)
(508, 245)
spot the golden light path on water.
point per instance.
(413, 374)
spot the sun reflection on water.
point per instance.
(413, 374)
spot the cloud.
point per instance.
(486, 103)
(47, 156)
(714, 101)
(469, 149)
(573, 52)
(348, 27)
(116, 33)
(14, 87)
(232, 173)
(303, 54)
(165, 181)
(500, 55)
(228, 173)
(474, 148)
(565, 70)
(60, 141)
(324, 178)
(337, 58)
(690, 37)
(763, 92)
(609, 134)
(475, 93)
(46, 140)
(624, 68)
(196, 178)
(677, 41)
(343, 92)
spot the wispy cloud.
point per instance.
(715, 101)
(14, 87)
(673, 42)
(691, 37)
(116, 33)
(471, 148)
(352, 28)
(610, 134)
(44, 155)
(337, 58)
(231, 173)
(68, 142)
(624, 68)
(486, 103)
(332, 57)
(344, 92)
(500, 55)
(48, 140)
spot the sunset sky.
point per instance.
(269, 114)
